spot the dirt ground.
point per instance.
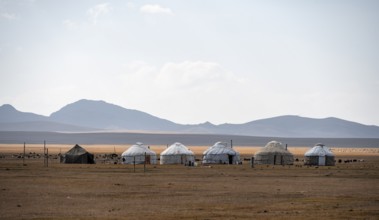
(115, 191)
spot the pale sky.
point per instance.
(194, 61)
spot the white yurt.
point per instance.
(139, 154)
(221, 153)
(273, 153)
(177, 153)
(319, 155)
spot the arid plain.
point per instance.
(114, 191)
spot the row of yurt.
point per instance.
(177, 153)
(220, 153)
(136, 154)
(276, 154)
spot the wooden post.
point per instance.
(47, 157)
(134, 164)
(44, 153)
(144, 164)
(23, 158)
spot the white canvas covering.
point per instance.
(319, 150)
(319, 155)
(136, 153)
(221, 153)
(273, 153)
(177, 153)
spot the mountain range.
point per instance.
(98, 116)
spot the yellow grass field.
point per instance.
(198, 150)
(116, 191)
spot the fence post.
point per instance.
(47, 157)
(23, 158)
(144, 164)
(44, 153)
(134, 164)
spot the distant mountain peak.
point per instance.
(103, 115)
(88, 102)
(207, 123)
(9, 114)
(8, 107)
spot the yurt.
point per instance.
(273, 153)
(221, 153)
(77, 154)
(177, 154)
(319, 155)
(139, 154)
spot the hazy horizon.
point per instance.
(194, 61)
(174, 121)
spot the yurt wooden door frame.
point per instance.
(147, 159)
(321, 160)
(278, 159)
(230, 158)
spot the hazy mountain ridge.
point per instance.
(43, 126)
(88, 115)
(8, 114)
(102, 115)
(296, 126)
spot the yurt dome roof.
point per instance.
(177, 148)
(221, 148)
(319, 150)
(138, 149)
(274, 146)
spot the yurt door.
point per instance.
(321, 161)
(230, 157)
(147, 159)
(278, 160)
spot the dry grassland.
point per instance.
(115, 191)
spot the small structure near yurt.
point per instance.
(221, 153)
(139, 154)
(273, 153)
(177, 153)
(319, 155)
(77, 154)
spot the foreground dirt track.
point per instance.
(111, 191)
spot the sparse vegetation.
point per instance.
(176, 191)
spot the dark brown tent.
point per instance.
(77, 154)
